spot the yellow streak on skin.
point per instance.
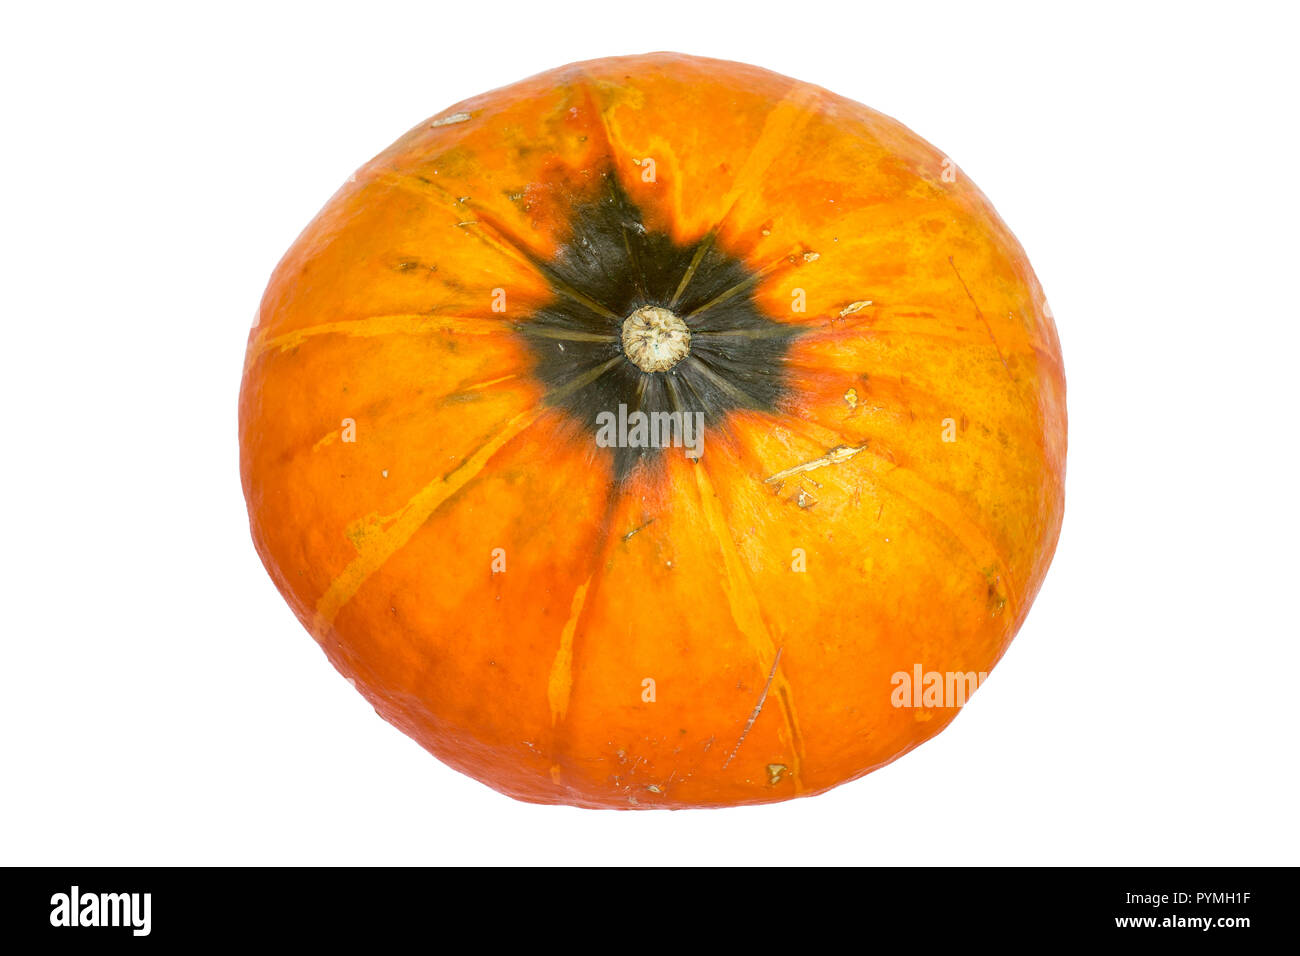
(561, 681)
(376, 548)
(739, 589)
(402, 324)
(478, 386)
(940, 506)
(332, 436)
(780, 129)
(329, 438)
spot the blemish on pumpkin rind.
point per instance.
(451, 120)
(328, 438)
(840, 453)
(997, 601)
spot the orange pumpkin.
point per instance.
(652, 432)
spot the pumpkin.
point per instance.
(657, 432)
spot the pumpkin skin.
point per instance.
(882, 477)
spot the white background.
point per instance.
(161, 704)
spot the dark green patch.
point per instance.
(612, 260)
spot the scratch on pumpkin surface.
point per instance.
(758, 708)
(980, 313)
(989, 328)
(833, 457)
(748, 617)
(560, 684)
(639, 527)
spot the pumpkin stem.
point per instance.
(655, 339)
